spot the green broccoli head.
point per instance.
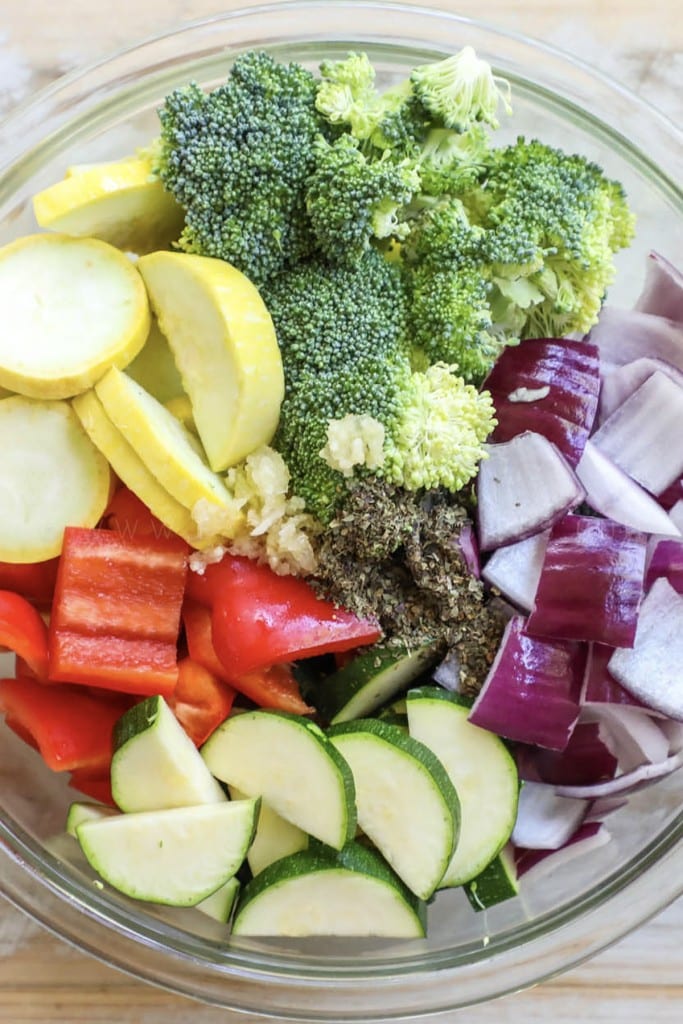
(351, 200)
(557, 219)
(237, 159)
(346, 94)
(342, 336)
(461, 90)
(437, 440)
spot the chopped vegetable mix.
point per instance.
(365, 508)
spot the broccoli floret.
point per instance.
(237, 160)
(438, 438)
(347, 95)
(452, 163)
(556, 219)
(461, 90)
(351, 199)
(342, 336)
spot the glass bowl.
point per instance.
(563, 917)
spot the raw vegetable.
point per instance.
(154, 368)
(39, 503)
(497, 882)
(403, 795)
(200, 701)
(122, 203)
(351, 892)
(23, 631)
(73, 307)
(33, 580)
(116, 611)
(662, 292)
(259, 618)
(224, 345)
(275, 837)
(130, 468)
(155, 764)
(482, 771)
(177, 856)
(168, 450)
(288, 761)
(70, 727)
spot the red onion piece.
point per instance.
(631, 735)
(662, 292)
(603, 806)
(467, 543)
(591, 584)
(619, 382)
(523, 487)
(549, 386)
(623, 335)
(638, 436)
(676, 515)
(653, 669)
(532, 691)
(666, 560)
(629, 782)
(599, 686)
(588, 837)
(615, 495)
(586, 758)
(515, 569)
(545, 821)
(672, 495)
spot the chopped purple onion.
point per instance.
(672, 495)
(549, 386)
(623, 335)
(532, 691)
(666, 560)
(546, 821)
(631, 735)
(676, 515)
(599, 686)
(629, 782)
(614, 494)
(662, 292)
(586, 758)
(619, 382)
(653, 669)
(638, 436)
(523, 487)
(467, 542)
(591, 584)
(515, 569)
(588, 837)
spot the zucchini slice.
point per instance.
(406, 803)
(482, 770)
(287, 760)
(347, 893)
(177, 856)
(155, 764)
(81, 810)
(496, 883)
(220, 903)
(72, 307)
(372, 679)
(52, 476)
(275, 837)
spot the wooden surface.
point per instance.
(42, 980)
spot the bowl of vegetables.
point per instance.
(340, 556)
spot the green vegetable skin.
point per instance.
(486, 245)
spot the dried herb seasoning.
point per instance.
(395, 554)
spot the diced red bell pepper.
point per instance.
(23, 631)
(129, 516)
(98, 787)
(72, 729)
(33, 580)
(260, 618)
(272, 687)
(200, 701)
(116, 611)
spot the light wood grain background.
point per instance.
(44, 981)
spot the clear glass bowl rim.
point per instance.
(34, 879)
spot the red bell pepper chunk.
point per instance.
(272, 687)
(116, 611)
(33, 580)
(23, 631)
(72, 729)
(129, 516)
(98, 787)
(260, 618)
(200, 701)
